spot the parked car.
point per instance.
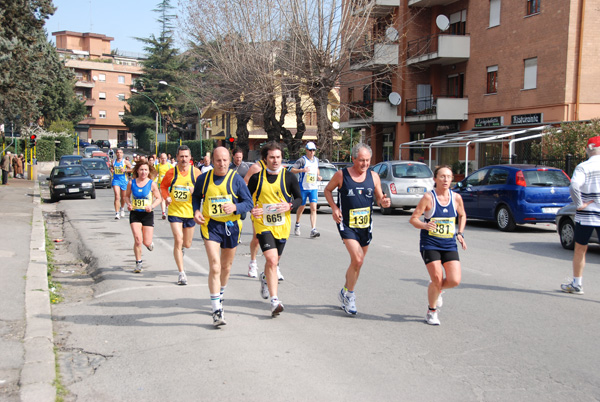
(326, 170)
(514, 194)
(87, 152)
(125, 144)
(404, 183)
(103, 143)
(70, 181)
(70, 160)
(100, 173)
(83, 143)
(102, 155)
(565, 226)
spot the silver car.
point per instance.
(565, 226)
(326, 170)
(404, 183)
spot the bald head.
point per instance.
(221, 160)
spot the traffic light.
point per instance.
(32, 139)
(230, 141)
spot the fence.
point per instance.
(568, 163)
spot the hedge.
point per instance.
(171, 148)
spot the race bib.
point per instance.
(311, 178)
(271, 217)
(215, 207)
(444, 228)
(140, 203)
(360, 218)
(181, 194)
(119, 170)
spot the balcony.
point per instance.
(431, 109)
(364, 113)
(381, 55)
(429, 3)
(438, 49)
(84, 83)
(90, 102)
(380, 8)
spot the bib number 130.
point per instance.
(360, 218)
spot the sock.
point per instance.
(297, 224)
(345, 290)
(138, 262)
(274, 300)
(432, 309)
(577, 281)
(215, 301)
(222, 291)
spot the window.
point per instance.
(121, 79)
(101, 77)
(492, 80)
(533, 6)
(458, 23)
(477, 178)
(121, 114)
(102, 114)
(121, 97)
(530, 76)
(494, 13)
(217, 121)
(102, 95)
(350, 95)
(498, 176)
(455, 85)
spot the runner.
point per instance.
(225, 197)
(176, 188)
(438, 248)
(356, 186)
(272, 189)
(162, 168)
(120, 168)
(308, 167)
(146, 196)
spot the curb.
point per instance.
(38, 373)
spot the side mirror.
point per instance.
(47, 178)
(459, 184)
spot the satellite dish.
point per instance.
(336, 125)
(394, 98)
(95, 78)
(391, 34)
(442, 22)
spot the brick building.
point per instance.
(470, 67)
(104, 80)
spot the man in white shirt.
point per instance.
(308, 167)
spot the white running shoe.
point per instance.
(138, 268)
(122, 213)
(150, 247)
(264, 289)
(218, 318)
(276, 308)
(182, 280)
(314, 233)
(432, 318)
(348, 300)
(252, 269)
(440, 301)
(570, 287)
(297, 230)
(279, 276)
(117, 216)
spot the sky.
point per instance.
(120, 19)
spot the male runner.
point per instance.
(120, 168)
(176, 188)
(308, 167)
(162, 168)
(272, 189)
(225, 197)
(356, 187)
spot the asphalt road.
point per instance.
(507, 331)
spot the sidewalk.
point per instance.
(27, 368)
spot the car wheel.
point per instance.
(93, 195)
(566, 231)
(53, 198)
(504, 219)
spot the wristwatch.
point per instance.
(460, 233)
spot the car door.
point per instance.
(492, 192)
(470, 192)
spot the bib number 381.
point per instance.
(444, 228)
(360, 218)
(271, 217)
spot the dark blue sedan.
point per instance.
(514, 194)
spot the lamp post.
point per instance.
(197, 110)
(159, 115)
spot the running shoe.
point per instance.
(117, 216)
(276, 308)
(253, 269)
(122, 213)
(150, 247)
(297, 230)
(164, 216)
(264, 289)
(182, 280)
(432, 318)
(138, 267)
(348, 300)
(279, 276)
(314, 233)
(440, 301)
(571, 288)
(218, 318)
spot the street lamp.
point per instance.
(159, 115)
(197, 110)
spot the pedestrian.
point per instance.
(273, 189)
(438, 247)
(226, 197)
(357, 186)
(585, 192)
(6, 165)
(308, 168)
(17, 165)
(141, 197)
(206, 166)
(238, 163)
(120, 168)
(162, 168)
(177, 188)
(23, 164)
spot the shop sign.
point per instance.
(532, 118)
(495, 121)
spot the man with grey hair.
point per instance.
(357, 186)
(585, 191)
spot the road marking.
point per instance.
(111, 292)
(199, 268)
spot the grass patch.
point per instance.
(53, 287)
(61, 391)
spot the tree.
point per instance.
(570, 138)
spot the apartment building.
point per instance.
(438, 71)
(104, 80)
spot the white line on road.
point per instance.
(199, 268)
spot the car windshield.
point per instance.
(71, 171)
(546, 178)
(326, 172)
(411, 171)
(70, 161)
(94, 165)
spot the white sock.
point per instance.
(274, 300)
(577, 281)
(215, 301)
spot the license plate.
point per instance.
(416, 189)
(550, 210)
(96, 180)
(73, 190)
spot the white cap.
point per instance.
(311, 145)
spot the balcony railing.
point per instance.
(431, 108)
(379, 111)
(429, 3)
(374, 8)
(378, 56)
(439, 48)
